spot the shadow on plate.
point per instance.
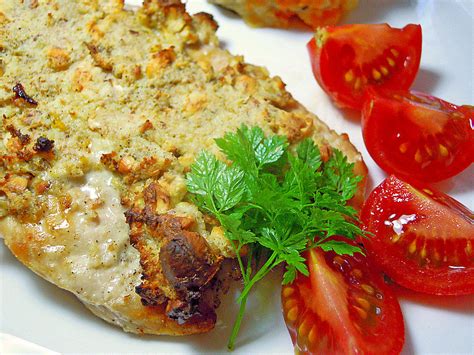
(408, 347)
(426, 80)
(459, 184)
(458, 304)
(228, 14)
(371, 11)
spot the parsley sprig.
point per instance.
(275, 202)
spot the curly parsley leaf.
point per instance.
(309, 154)
(276, 202)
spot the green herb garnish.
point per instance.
(276, 202)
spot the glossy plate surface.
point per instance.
(34, 310)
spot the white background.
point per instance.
(34, 310)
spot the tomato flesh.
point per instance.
(343, 307)
(346, 60)
(422, 238)
(416, 136)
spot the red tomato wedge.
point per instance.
(423, 239)
(343, 307)
(416, 136)
(348, 59)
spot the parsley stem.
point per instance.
(248, 272)
(258, 276)
(238, 321)
(269, 264)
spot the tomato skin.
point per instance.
(343, 307)
(346, 62)
(416, 136)
(422, 238)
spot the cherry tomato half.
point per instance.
(423, 239)
(416, 136)
(343, 307)
(348, 59)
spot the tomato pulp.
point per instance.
(348, 59)
(417, 136)
(422, 238)
(343, 307)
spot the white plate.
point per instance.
(34, 310)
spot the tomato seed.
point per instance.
(293, 314)
(384, 70)
(312, 337)
(468, 248)
(361, 312)
(395, 238)
(403, 148)
(288, 291)
(304, 328)
(338, 260)
(394, 52)
(367, 288)
(363, 303)
(376, 74)
(290, 303)
(443, 150)
(418, 157)
(357, 84)
(349, 76)
(412, 247)
(357, 273)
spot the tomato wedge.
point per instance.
(416, 136)
(348, 59)
(423, 239)
(343, 307)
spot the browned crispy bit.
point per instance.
(192, 311)
(98, 58)
(43, 145)
(155, 12)
(186, 261)
(296, 127)
(137, 71)
(42, 186)
(33, 4)
(151, 295)
(146, 126)
(23, 138)
(14, 183)
(326, 151)
(58, 59)
(135, 170)
(156, 198)
(160, 61)
(80, 79)
(109, 160)
(204, 17)
(20, 93)
(178, 264)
